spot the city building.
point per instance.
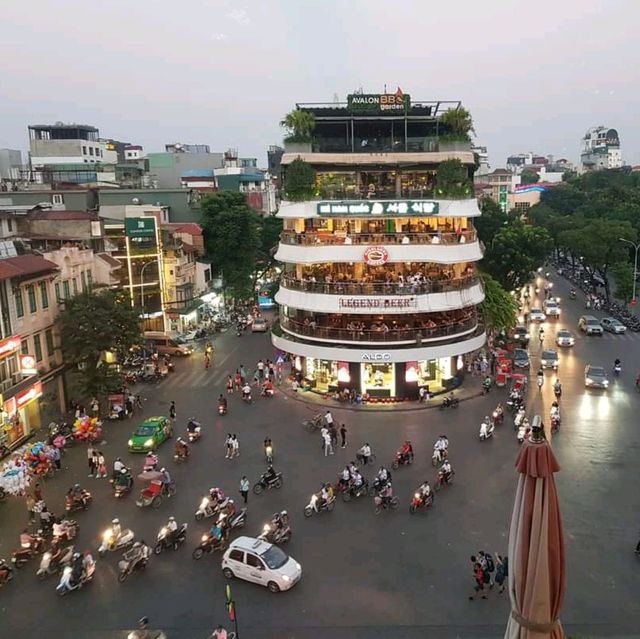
(10, 166)
(483, 162)
(133, 152)
(498, 184)
(179, 147)
(379, 292)
(181, 205)
(166, 169)
(64, 144)
(274, 157)
(600, 149)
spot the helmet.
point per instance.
(136, 545)
(163, 470)
(123, 471)
(284, 513)
(118, 459)
(77, 487)
(76, 556)
(115, 522)
(172, 518)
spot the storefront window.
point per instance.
(378, 380)
(321, 374)
(434, 373)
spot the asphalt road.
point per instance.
(364, 576)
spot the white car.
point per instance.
(612, 325)
(536, 315)
(551, 308)
(565, 338)
(262, 563)
(259, 325)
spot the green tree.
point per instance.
(515, 253)
(493, 219)
(457, 125)
(452, 180)
(270, 229)
(623, 277)
(232, 238)
(92, 323)
(499, 307)
(529, 177)
(299, 181)
(299, 126)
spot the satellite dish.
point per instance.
(136, 200)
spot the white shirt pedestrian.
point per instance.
(328, 448)
(328, 418)
(235, 447)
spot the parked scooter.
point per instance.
(486, 429)
(449, 402)
(49, 566)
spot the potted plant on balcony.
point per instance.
(456, 129)
(452, 180)
(299, 126)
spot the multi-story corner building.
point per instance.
(64, 144)
(380, 290)
(600, 149)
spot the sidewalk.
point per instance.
(471, 387)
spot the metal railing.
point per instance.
(378, 288)
(310, 238)
(397, 335)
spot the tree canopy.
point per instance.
(233, 239)
(91, 323)
(529, 177)
(499, 308)
(299, 181)
(493, 219)
(299, 125)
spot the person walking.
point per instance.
(128, 406)
(333, 432)
(229, 446)
(102, 465)
(229, 385)
(90, 460)
(244, 488)
(260, 369)
(479, 579)
(235, 446)
(486, 561)
(95, 463)
(328, 418)
(324, 431)
(328, 448)
(172, 411)
(95, 407)
(138, 402)
(37, 493)
(502, 572)
(31, 504)
(56, 457)
(238, 381)
(343, 436)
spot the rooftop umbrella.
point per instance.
(536, 545)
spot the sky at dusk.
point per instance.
(535, 75)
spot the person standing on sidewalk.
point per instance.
(502, 571)
(479, 579)
(244, 488)
(343, 436)
(328, 418)
(90, 459)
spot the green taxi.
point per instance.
(150, 434)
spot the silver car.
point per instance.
(612, 325)
(595, 377)
(549, 359)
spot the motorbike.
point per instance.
(237, 520)
(268, 453)
(128, 564)
(557, 391)
(274, 535)
(194, 435)
(222, 409)
(572, 294)
(120, 490)
(312, 507)
(417, 502)
(519, 418)
(385, 503)
(20, 557)
(205, 510)
(264, 483)
(246, 397)
(617, 369)
(48, 567)
(555, 418)
(497, 417)
(522, 432)
(438, 456)
(6, 572)
(486, 430)
(315, 423)
(67, 584)
(353, 492)
(154, 493)
(182, 456)
(163, 542)
(540, 381)
(443, 479)
(82, 502)
(402, 459)
(207, 545)
(70, 531)
(449, 402)
(109, 543)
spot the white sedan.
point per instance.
(612, 325)
(259, 325)
(536, 315)
(565, 338)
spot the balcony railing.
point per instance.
(392, 335)
(378, 288)
(310, 238)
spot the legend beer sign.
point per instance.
(378, 303)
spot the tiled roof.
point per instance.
(111, 261)
(51, 214)
(189, 248)
(23, 265)
(188, 227)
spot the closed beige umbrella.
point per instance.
(536, 545)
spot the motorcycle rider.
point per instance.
(363, 454)
(541, 334)
(386, 494)
(136, 555)
(484, 427)
(116, 530)
(499, 413)
(55, 551)
(267, 388)
(216, 496)
(246, 391)
(557, 388)
(270, 475)
(172, 529)
(165, 479)
(77, 569)
(193, 425)
(150, 461)
(406, 452)
(424, 490)
(441, 447)
(118, 466)
(216, 532)
(540, 378)
(357, 480)
(26, 539)
(345, 477)
(617, 365)
(181, 448)
(268, 447)
(326, 495)
(222, 401)
(446, 471)
(486, 384)
(123, 478)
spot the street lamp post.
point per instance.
(144, 350)
(636, 247)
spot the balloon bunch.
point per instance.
(38, 458)
(87, 429)
(14, 477)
